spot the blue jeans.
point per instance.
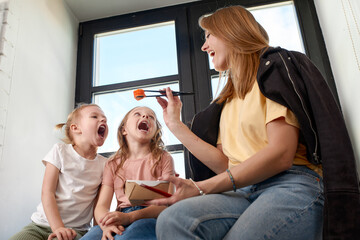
(139, 230)
(286, 206)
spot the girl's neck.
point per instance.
(86, 151)
(137, 151)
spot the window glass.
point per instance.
(116, 104)
(216, 86)
(281, 24)
(179, 163)
(135, 53)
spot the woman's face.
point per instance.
(217, 50)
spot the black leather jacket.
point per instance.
(292, 80)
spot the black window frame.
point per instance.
(194, 73)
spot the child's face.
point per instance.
(140, 125)
(93, 125)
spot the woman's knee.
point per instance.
(179, 211)
(174, 217)
(163, 219)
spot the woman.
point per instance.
(270, 147)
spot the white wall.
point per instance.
(41, 94)
(340, 23)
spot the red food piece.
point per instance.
(139, 94)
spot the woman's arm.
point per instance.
(276, 157)
(211, 156)
(51, 209)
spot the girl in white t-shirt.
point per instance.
(141, 156)
(72, 178)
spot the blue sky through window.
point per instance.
(135, 54)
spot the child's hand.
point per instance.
(63, 233)
(110, 231)
(117, 218)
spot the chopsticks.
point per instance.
(140, 93)
(175, 93)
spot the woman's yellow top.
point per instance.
(242, 131)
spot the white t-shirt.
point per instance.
(78, 185)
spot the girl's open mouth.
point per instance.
(143, 126)
(102, 130)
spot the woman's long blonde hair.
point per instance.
(246, 40)
(156, 146)
(72, 117)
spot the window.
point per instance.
(162, 47)
(131, 52)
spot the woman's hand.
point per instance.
(110, 231)
(184, 189)
(171, 108)
(115, 218)
(209, 155)
(63, 233)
